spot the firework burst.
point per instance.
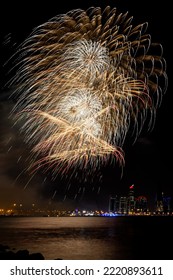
(83, 79)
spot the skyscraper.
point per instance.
(123, 205)
(141, 204)
(114, 204)
(131, 200)
(163, 203)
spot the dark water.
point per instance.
(86, 238)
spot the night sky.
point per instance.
(148, 161)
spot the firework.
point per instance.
(84, 79)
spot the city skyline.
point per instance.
(146, 162)
(129, 203)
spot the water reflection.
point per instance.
(88, 238)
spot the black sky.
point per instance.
(148, 162)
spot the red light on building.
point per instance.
(131, 187)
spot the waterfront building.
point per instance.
(123, 205)
(131, 200)
(163, 204)
(113, 204)
(141, 204)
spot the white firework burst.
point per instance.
(88, 56)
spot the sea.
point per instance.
(91, 238)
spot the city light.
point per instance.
(129, 205)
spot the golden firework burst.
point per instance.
(83, 79)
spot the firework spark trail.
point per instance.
(83, 79)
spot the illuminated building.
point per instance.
(129, 204)
(123, 205)
(163, 204)
(167, 204)
(131, 200)
(114, 204)
(118, 204)
(141, 204)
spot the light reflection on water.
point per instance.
(86, 237)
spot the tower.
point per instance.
(159, 203)
(123, 205)
(131, 200)
(141, 204)
(113, 204)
